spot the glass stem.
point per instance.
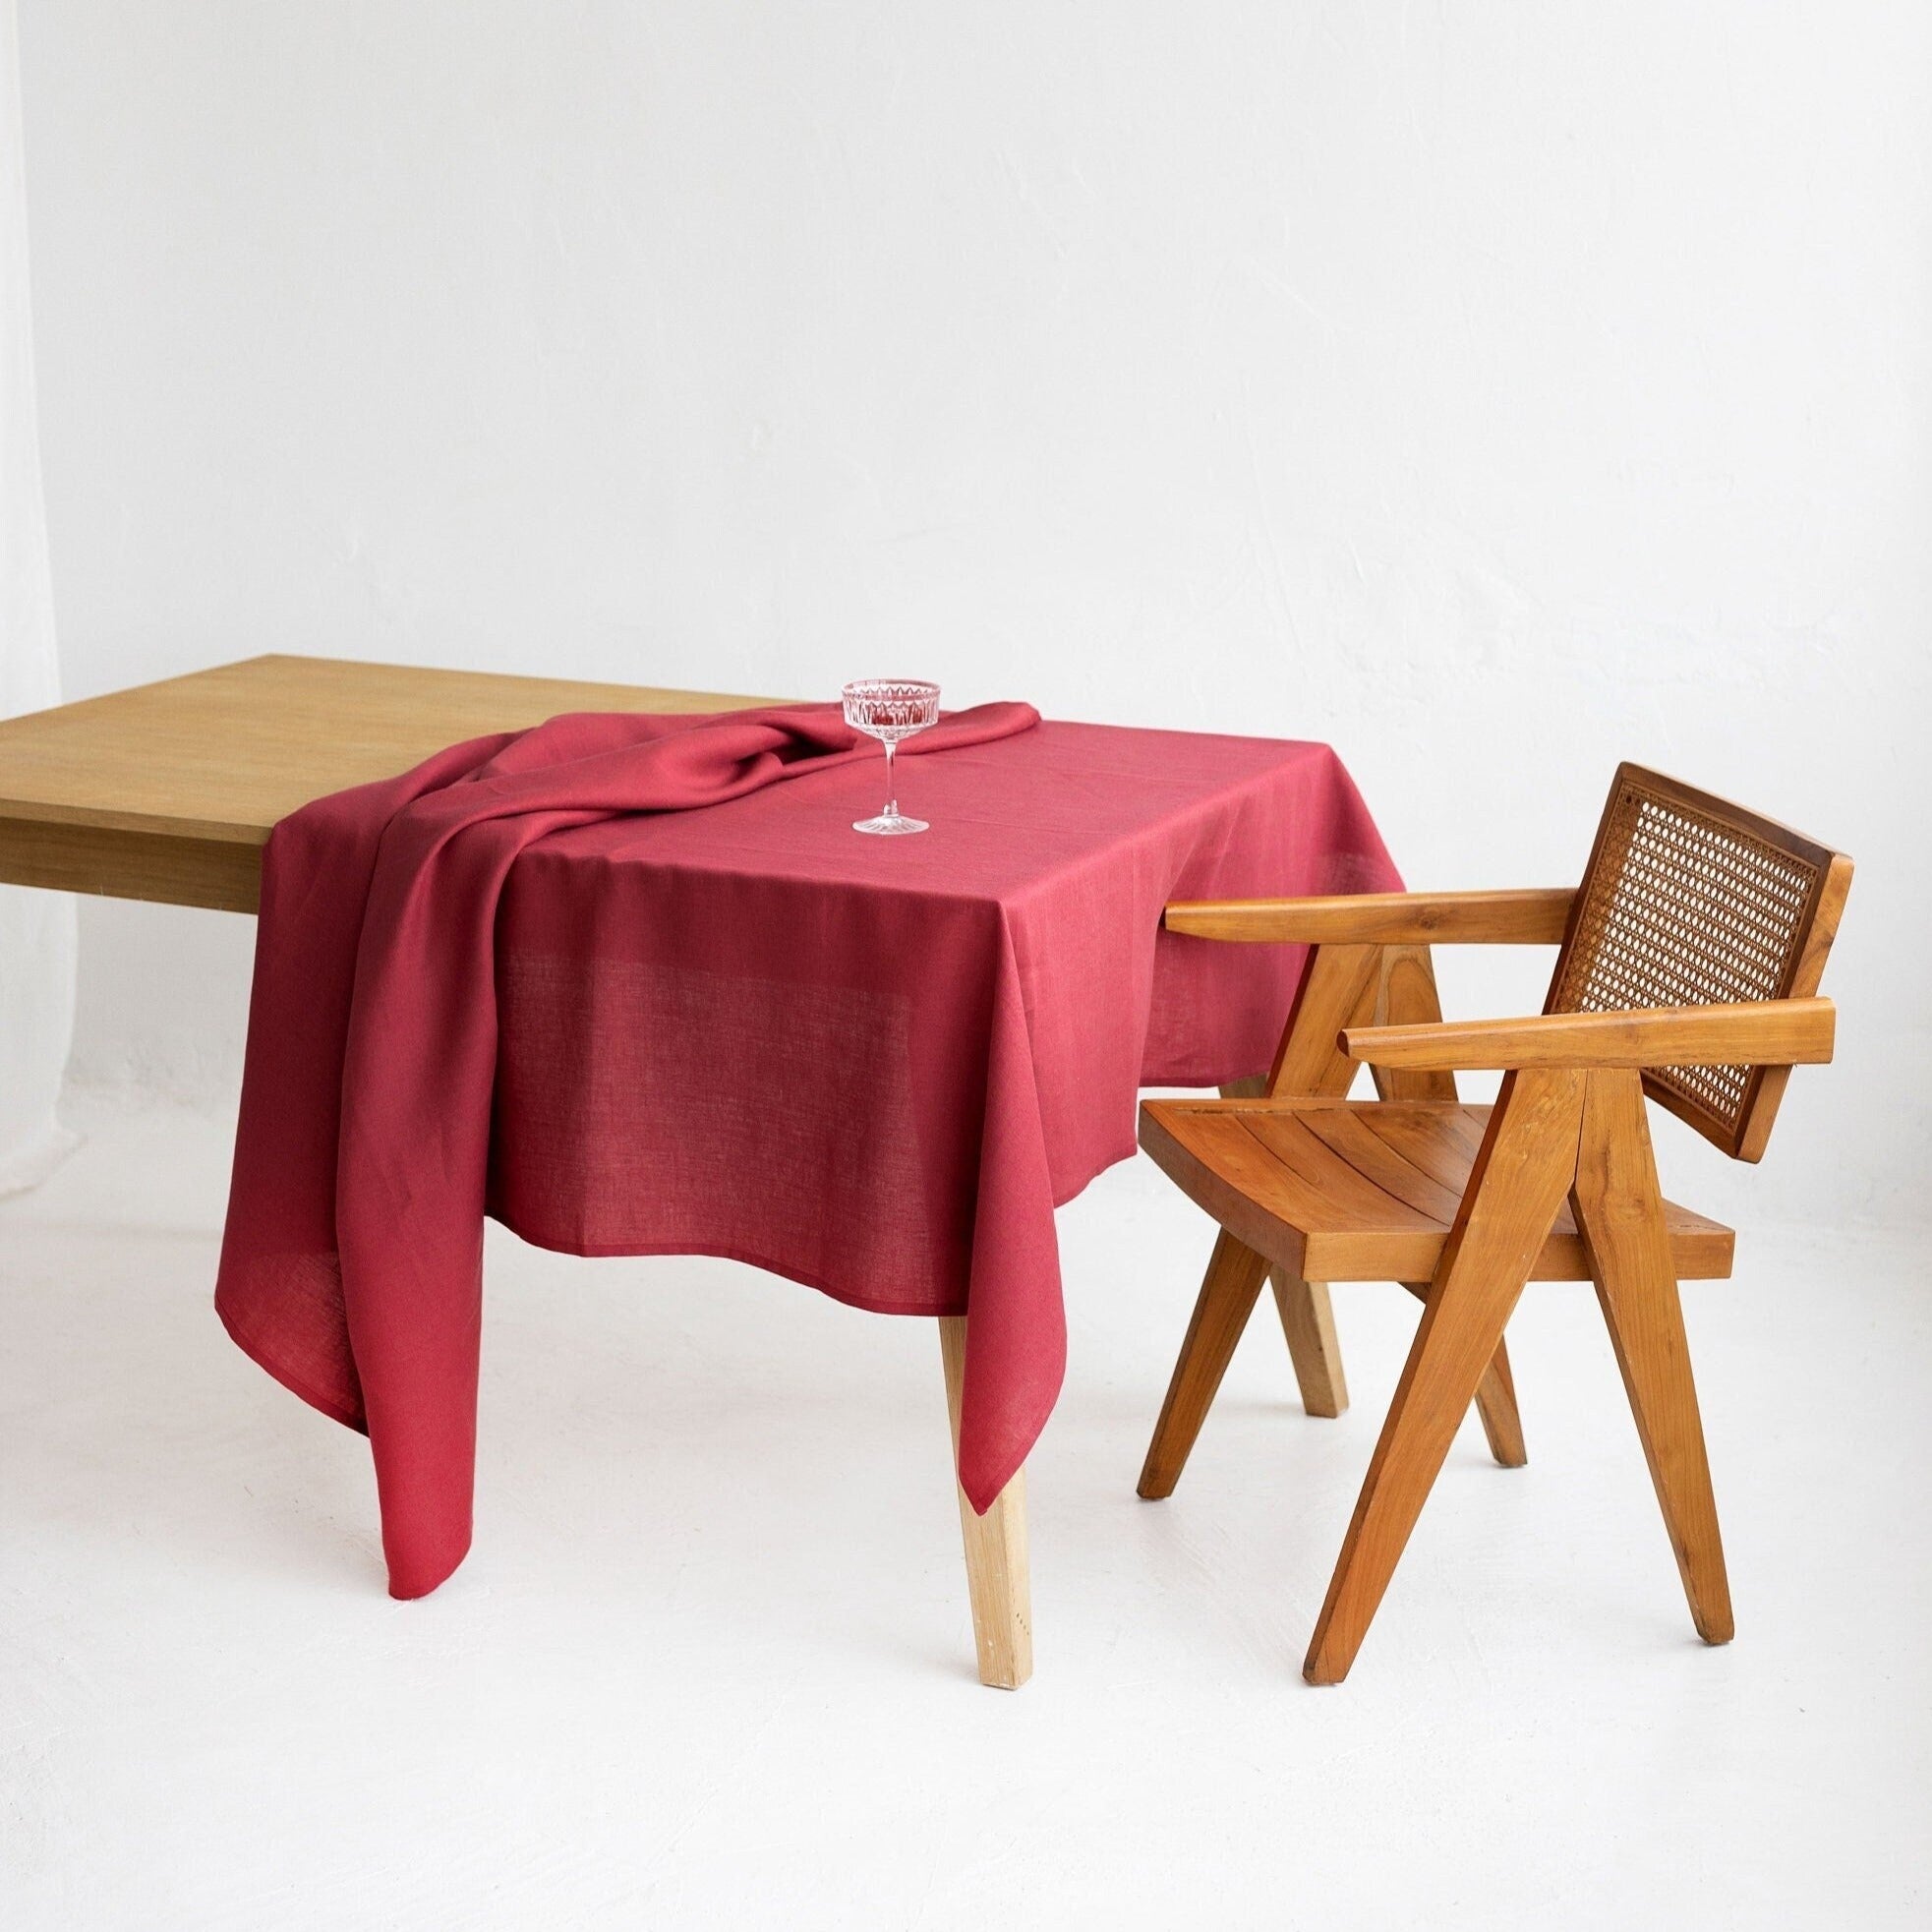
(892, 800)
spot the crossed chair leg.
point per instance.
(1554, 1133)
(1228, 1294)
(1232, 1286)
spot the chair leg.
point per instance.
(1495, 1406)
(1228, 1293)
(1620, 1214)
(997, 1575)
(1496, 1401)
(1308, 1319)
(1409, 996)
(1525, 1168)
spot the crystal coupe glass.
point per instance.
(890, 709)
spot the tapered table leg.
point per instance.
(997, 1579)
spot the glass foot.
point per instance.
(888, 823)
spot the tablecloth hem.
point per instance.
(718, 1252)
(336, 1411)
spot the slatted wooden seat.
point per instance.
(1337, 1193)
(1690, 962)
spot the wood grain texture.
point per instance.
(1308, 1323)
(1524, 1170)
(1533, 917)
(1406, 997)
(1228, 1293)
(998, 1579)
(1339, 988)
(1338, 980)
(1776, 1033)
(1307, 1315)
(1409, 997)
(1618, 1206)
(1496, 1401)
(1364, 1191)
(1496, 1411)
(169, 790)
(216, 874)
(1344, 1198)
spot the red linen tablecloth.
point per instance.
(872, 1065)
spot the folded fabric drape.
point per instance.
(528, 980)
(351, 1262)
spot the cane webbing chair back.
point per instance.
(1690, 901)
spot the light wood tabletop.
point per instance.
(168, 792)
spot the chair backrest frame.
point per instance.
(1689, 900)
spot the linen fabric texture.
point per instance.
(533, 979)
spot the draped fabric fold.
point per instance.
(531, 980)
(351, 1262)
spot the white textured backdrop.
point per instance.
(37, 928)
(1493, 391)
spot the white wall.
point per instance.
(38, 930)
(1494, 390)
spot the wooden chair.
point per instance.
(1691, 955)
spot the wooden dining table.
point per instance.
(168, 792)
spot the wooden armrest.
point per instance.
(1384, 919)
(1756, 1033)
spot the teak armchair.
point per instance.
(1690, 960)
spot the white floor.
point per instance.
(710, 1666)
